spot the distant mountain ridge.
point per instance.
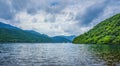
(7, 26)
(106, 32)
(13, 34)
(60, 39)
(70, 37)
(10, 33)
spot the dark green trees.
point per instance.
(106, 32)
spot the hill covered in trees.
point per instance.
(10, 33)
(106, 32)
(13, 34)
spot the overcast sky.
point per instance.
(57, 17)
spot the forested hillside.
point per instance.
(106, 32)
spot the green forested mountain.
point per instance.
(60, 39)
(10, 33)
(106, 32)
(13, 34)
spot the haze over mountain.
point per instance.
(70, 37)
(60, 39)
(106, 32)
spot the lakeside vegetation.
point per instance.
(106, 32)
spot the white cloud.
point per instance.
(42, 22)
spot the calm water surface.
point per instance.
(59, 55)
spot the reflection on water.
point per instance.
(109, 53)
(59, 55)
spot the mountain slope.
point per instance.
(60, 39)
(10, 33)
(70, 37)
(7, 26)
(106, 32)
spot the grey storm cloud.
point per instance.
(31, 6)
(92, 12)
(51, 6)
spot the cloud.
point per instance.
(111, 9)
(57, 17)
(91, 12)
(43, 23)
(5, 11)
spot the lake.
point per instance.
(61, 54)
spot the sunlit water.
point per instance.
(26, 54)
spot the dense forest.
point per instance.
(8, 35)
(106, 32)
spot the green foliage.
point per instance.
(105, 40)
(15, 35)
(106, 32)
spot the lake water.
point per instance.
(36, 54)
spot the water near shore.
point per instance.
(26, 54)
